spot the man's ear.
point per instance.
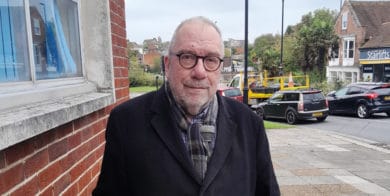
(166, 63)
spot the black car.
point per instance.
(361, 99)
(294, 105)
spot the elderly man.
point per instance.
(185, 139)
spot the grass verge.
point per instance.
(142, 89)
(275, 125)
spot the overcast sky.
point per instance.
(146, 19)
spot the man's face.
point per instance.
(193, 88)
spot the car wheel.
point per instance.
(260, 112)
(291, 117)
(321, 119)
(362, 111)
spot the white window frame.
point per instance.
(30, 108)
(347, 60)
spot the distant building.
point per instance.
(234, 62)
(153, 50)
(363, 53)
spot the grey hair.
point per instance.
(201, 19)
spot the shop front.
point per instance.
(375, 64)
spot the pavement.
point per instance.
(316, 162)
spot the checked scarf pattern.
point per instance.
(198, 134)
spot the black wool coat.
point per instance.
(146, 156)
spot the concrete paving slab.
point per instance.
(315, 162)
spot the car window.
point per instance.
(341, 92)
(235, 82)
(291, 97)
(276, 97)
(232, 92)
(382, 91)
(313, 96)
(354, 90)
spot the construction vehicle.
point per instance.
(262, 87)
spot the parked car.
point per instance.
(294, 105)
(361, 99)
(232, 92)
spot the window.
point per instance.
(235, 83)
(332, 77)
(48, 81)
(55, 40)
(354, 90)
(349, 48)
(334, 51)
(276, 97)
(348, 77)
(341, 92)
(291, 97)
(344, 21)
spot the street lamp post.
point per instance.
(245, 91)
(281, 43)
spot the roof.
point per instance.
(374, 15)
(382, 39)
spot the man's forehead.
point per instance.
(192, 37)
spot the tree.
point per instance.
(133, 55)
(265, 52)
(315, 35)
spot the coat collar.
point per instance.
(169, 134)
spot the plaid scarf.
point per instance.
(198, 134)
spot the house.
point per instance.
(153, 49)
(63, 67)
(364, 43)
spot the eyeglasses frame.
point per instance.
(196, 61)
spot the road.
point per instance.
(376, 128)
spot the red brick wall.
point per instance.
(118, 30)
(66, 160)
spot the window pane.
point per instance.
(56, 38)
(14, 64)
(351, 48)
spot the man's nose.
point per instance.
(199, 69)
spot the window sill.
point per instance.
(24, 122)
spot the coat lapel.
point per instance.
(162, 124)
(225, 135)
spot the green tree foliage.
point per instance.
(265, 53)
(305, 46)
(315, 35)
(133, 55)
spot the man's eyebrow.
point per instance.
(194, 53)
(185, 51)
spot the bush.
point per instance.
(327, 87)
(141, 78)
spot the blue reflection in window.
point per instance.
(53, 55)
(14, 64)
